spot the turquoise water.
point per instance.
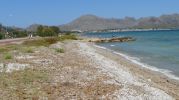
(159, 49)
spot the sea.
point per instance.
(155, 50)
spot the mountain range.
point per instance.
(94, 23)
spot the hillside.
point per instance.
(93, 23)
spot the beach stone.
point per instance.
(15, 66)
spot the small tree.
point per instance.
(40, 30)
(48, 32)
(44, 31)
(17, 33)
(55, 29)
(1, 36)
(1, 27)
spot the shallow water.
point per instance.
(154, 48)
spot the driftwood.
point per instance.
(116, 39)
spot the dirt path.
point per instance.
(11, 41)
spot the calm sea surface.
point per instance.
(159, 49)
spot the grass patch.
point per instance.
(24, 77)
(8, 48)
(22, 84)
(41, 42)
(60, 50)
(2, 49)
(49, 40)
(68, 37)
(37, 42)
(28, 50)
(7, 56)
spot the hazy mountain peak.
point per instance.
(93, 23)
(88, 16)
(85, 18)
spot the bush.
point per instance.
(1, 36)
(7, 56)
(29, 50)
(51, 40)
(16, 33)
(45, 31)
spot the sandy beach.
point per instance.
(146, 83)
(85, 71)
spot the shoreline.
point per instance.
(82, 71)
(153, 78)
(132, 30)
(166, 72)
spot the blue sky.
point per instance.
(55, 12)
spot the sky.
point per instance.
(23, 13)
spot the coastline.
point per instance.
(82, 71)
(153, 77)
(141, 64)
(132, 30)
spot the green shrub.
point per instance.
(7, 56)
(45, 31)
(51, 40)
(1, 36)
(16, 33)
(29, 50)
